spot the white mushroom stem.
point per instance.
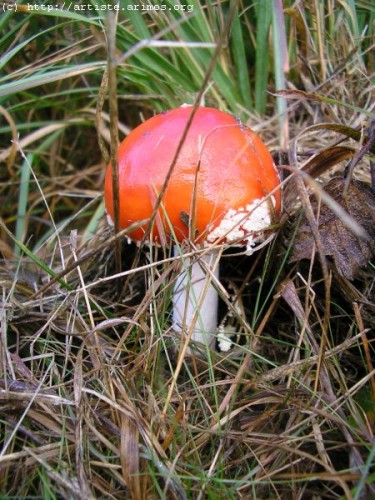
(195, 299)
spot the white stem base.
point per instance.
(195, 300)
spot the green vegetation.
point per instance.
(91, 404)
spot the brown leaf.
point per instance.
(130, 456)
(324, 160)
(301, 95)
(349, 252)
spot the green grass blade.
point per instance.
(32, 81)
(22, 202)
(136, 19)
(239, 56)
(264, 18)
(39, 262)
(280, 59)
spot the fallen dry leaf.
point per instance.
(348, 251)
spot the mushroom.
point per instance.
(223, 190)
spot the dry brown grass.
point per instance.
(91, 404)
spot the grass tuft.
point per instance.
(95, 401)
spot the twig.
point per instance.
(113, 109)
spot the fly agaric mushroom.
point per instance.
(224, 183)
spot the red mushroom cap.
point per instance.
(223, 167)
